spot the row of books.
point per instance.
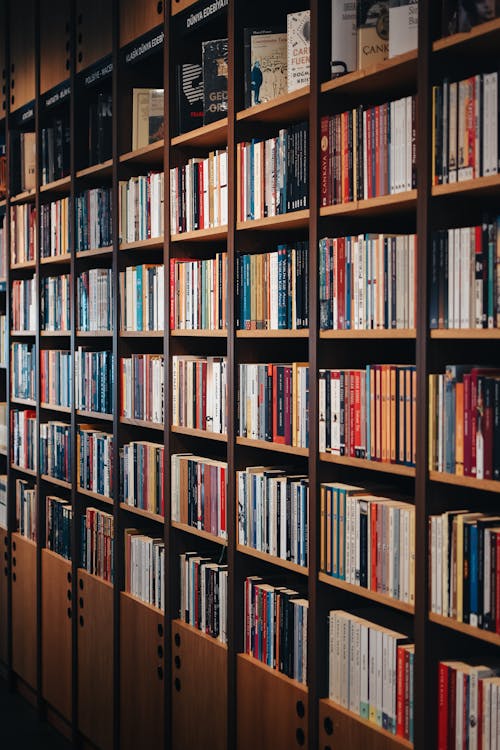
(465, 277)
(464, 425)
(368, 541)
(97, 543)
(142, 298)
(142, 476)
(273, 175)
(54, 228)
(273, 512)
(465, 129)
(141, 208)
(464, 556)
(58, 521)
(55, 150)
(273, 403)
(367, 282)
(275, 630)
(273, 289)
(23, 438)
(94, 381)
(198, 293)
(94, 455)
(368, 152)
(55, 303)
(3, 501)
(55, 450)
(94, 289)
(26, 512)
(199, 393)
(23, 236)
(371, 671)
(141, 387)
(199, 193)
(94, 219)
(198, 493)
(468, 701)
(22, 370)
(461, 16)
(203, 594)
(56, 377)
(370, 413)
(145, 568)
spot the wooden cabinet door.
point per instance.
(93, 31)
(199, 689)
(138, 18)
(24, 624)
(56, 632)
(141, 675)
(95, 660)
(54, 43)
(22, 53)
(4, 594)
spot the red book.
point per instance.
(488, 395)
(400, 692)
(222, 491)
(288, 404)
(325, 147)
(278, 404)
(369, 146)
(341, 282)
(496, 534)
(467, 425)
(357, 413)
(443, 707)
(172, 293)
(350, 429)
(345, 157)
(378, 152)
(373, 539)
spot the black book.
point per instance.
(189, 83)
(104, 131)
(496, 429)
(214, 57)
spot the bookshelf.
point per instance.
(68, 637)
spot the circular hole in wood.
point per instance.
(159, 7)
(160, 673)
(300, 708)
(14, 546)
(69, 612)
(80, 602)
(6, 556)
(80, 583)
(328, 724)
(80, 57)
(14, 577)
(159, 651)
(68, 594)
(6, 571)
(81, 621)
(300, 736)
(14, 561)
(177, 639)
(160, 630)
(177, 684)
(177, 662)
(68, 577)
(6, 541)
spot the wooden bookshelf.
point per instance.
(293, 106)
(154, 243)
(291, 220)
(55, 407)
(383, 204)
(142, 423)
(201, 533)
(95, 253)
(28, 196)
(373, 596)
(379, 333)
(55, 334)
(214, 134)
(363, 463)
(198, 235)
(144, 513)
(390, 74)
(482, 334)
(355, 731)
(479, 186)
(472, 41)
(465, 628)
(94, 415)
(23, 401)
(94, 495)
(22, 266)
(273, 333)
(268, 446)
(201, 333)
(192, 432)
(487, 485)
(58, 187)
(150, 155)
(23, 470)
(142, 334)
(57, 482)
(22, 334)
(287, 564)
(94, 334)
(96, 170)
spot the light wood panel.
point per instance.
(341, 729)
(93, 31)
(4, 573)
(54, 43)
(141, 677)
(95, 660)
(271, 710)
(56, 632)
(24, 621)
(138, 18)
(199, 690)
(22, 53)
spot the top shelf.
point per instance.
(390, 74)
(96, 170)
(152, 154)
(481, 39)
(211, 136)
(287, 107)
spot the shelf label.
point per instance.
(23, 115)
(97, 72)
(56, 95)
(145, 45)
(204, 11)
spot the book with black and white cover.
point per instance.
(403, 26)
(252, 75)
(373, 32)
(298, 49)
(344, 55)
(189, 83)
(268, 66)
(214, 63)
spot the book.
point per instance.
(373, 32)
(344, 55)
(189, 88)
(266, 69)
(403, 26)
(100, 128)
(298, 49)
(214, 64)
(147, 116)
(28, 161)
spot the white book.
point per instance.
(344, 38)
(403, 26)
(298, 49)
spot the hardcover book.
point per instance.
(373, 32)
(298, 44)
(344, 38)
(214, 56)
(268, 66)
(253, 76)
(189, 82)
(403, 25)
(147, 117)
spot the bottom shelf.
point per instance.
(341, 728)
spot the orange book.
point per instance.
(392, 407)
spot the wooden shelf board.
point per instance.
(141, 334)
(52, 334)
(208, 638)
(17, 334)
(58, 186)
(128, 595)
(3, 451)
(31, 472)
(213, 233)
(20, 537)
(23, 401)
(100, 579)
(363, 463)
(476, 36)
(274, 672)
(214, 134)
(54, 259)
(23, 265)
(143, 513)
(245, 550)
(95, 252)
(488, 485)
(199, 433)
(273, 333)
(55, 556)
(373, 206)
(286, 107)
(25, 197)
(58, 482)
(150, 154)
(396, 70)
(291, 220)
(369, 724)
(465, 333)
(462, 627)
(93, 334)
(366, 593)
(379, 333)
(278, 447)
(199, 532)
(143, 423)
(97, 170)
(199, 333)
(55, 407)
(94, 495)
(154, 243)
(478, 186)
(94, 415)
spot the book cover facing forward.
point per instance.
(214, 80)
(373, 32)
